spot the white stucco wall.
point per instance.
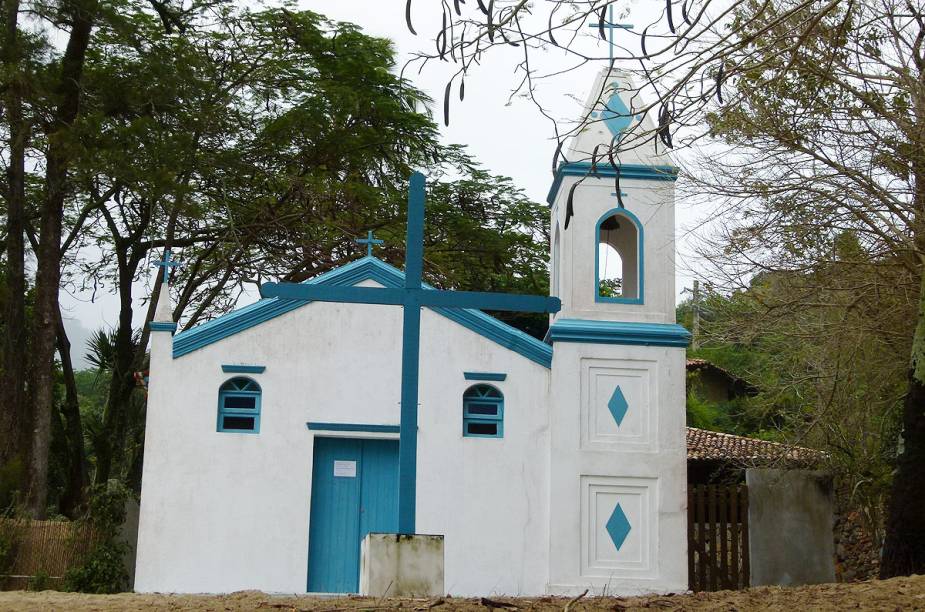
(596, 463)
(223, 512)
(652, 203)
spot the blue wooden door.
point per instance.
(354, 492)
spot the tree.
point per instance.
(62, 102)
(829, 166)
(14, 414)
(254, 144)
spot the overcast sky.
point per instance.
(508, 136)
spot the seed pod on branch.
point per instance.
(408, 17)
(446, 102)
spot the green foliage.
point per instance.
(706, 414)
(7, 549)
(103, 569)
(483, 234)
(40, 581)
(610, 287)
(828, 360)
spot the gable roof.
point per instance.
(703, 445)
(739, 386)
(367, 268)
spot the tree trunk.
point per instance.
(122, 382)
(48, 275)
(14, 415)
(904, 529)
(73, 496)
(904, 544)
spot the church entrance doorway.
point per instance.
(354, 492)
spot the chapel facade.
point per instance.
(549, 467)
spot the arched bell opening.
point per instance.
(618, 251)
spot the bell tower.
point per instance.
(617, 423)
(614, 244)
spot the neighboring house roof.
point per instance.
(703, 445)
(367, 268)
(739, 385)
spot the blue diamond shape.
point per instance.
(616, 116)
(618, 405)
(618, 527)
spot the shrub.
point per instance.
(103, 569)
(39, 582)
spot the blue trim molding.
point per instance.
(367, 268)
(157, 326)
(605, 170)
(618, 332)
(497, 376)
(361, 427)
(243, 369)
(640, 259)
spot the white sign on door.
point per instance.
(345, 469)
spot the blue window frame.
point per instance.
(483, 412)
(619, 234)
(239, 406)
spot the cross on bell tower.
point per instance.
(611, 26)
(167, 264)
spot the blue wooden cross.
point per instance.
(369, 241)
(412, 297)
(610, 25)
(166, 263)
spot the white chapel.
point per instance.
(547, 467)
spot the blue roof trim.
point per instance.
(362, 427)
(162, 326)
(618, 332)
(496, 376)
(605, 170)
(243, 369)
(367, 268)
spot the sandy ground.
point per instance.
(897, 594)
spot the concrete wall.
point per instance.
(790, 526)
(224, 512)
(128, 533)
(393, 565)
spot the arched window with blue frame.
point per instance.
(483, 412)
(618, 252)
(239, 406)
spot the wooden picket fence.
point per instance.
(41, 548)
(717, 537)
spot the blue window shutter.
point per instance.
(239, 406)
(483, 412)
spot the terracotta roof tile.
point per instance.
(703, 445)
